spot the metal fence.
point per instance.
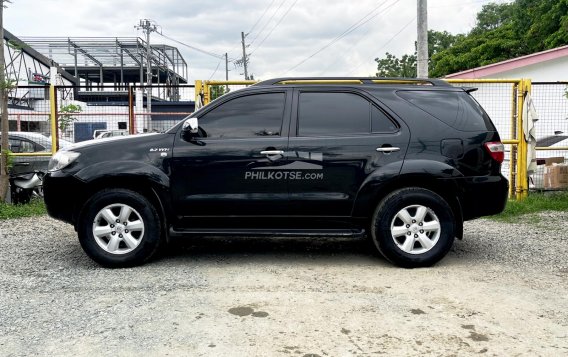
(551, 105)
(84, 113)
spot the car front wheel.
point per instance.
(119, 228)
(413, 227)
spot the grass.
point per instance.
(35, 208)
(534, 203)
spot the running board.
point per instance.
(354, 233)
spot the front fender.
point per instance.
(110, 169)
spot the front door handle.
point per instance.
(272, 152)
(388, 149)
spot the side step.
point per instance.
(307, 233)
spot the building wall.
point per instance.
(549, 71)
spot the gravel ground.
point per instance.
(501, 291)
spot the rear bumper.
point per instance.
(482, 195)
(61, 196)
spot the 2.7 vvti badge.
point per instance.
(404, 162)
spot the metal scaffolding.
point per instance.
(120, 61)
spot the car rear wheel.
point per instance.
(119, 228)
(413, 227)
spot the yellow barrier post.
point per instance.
(206, 94)
(206, 85)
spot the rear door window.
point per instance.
(338, 113)
(457, 109)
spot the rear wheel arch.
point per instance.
(371, 195)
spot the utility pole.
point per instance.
(422, 46)
(245, 59)
(226, 66)
(226, 71)
(148, 26)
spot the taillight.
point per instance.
(497, 150)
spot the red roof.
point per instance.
(499, 67)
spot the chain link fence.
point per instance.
(551, 105)
(95, 112)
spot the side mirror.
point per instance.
(191, 126)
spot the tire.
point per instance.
(20, 196)
(425, 215)
(132, 243)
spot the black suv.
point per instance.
(403, 161)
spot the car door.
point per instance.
(223, 171)
(337, 139)
(25, 164)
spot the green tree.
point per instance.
(66, 115)
(217, 91)
(476, 50)
(392, 66)
(492, 16)
(502, 31)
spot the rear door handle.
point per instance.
(272, 152)
(388, 149)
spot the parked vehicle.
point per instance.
(26, 173)
(25, 186)
(29, 142)
(403, 161)
(100, 134)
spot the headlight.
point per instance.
(61, 159)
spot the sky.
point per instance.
(284, 37)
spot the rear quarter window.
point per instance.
(457, 109)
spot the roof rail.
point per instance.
(353, 80)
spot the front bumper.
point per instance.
(62, 196)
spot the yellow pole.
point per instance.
(514, 147)
(53, 116)
(206, 93)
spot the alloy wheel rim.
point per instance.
(118, 229)
(415, 229)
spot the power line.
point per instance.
(267, 22)
(350, 29)
(278, 23)
(261, 17)
(387, 42)
(346, 51)
(215, 71)
(193, 47)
